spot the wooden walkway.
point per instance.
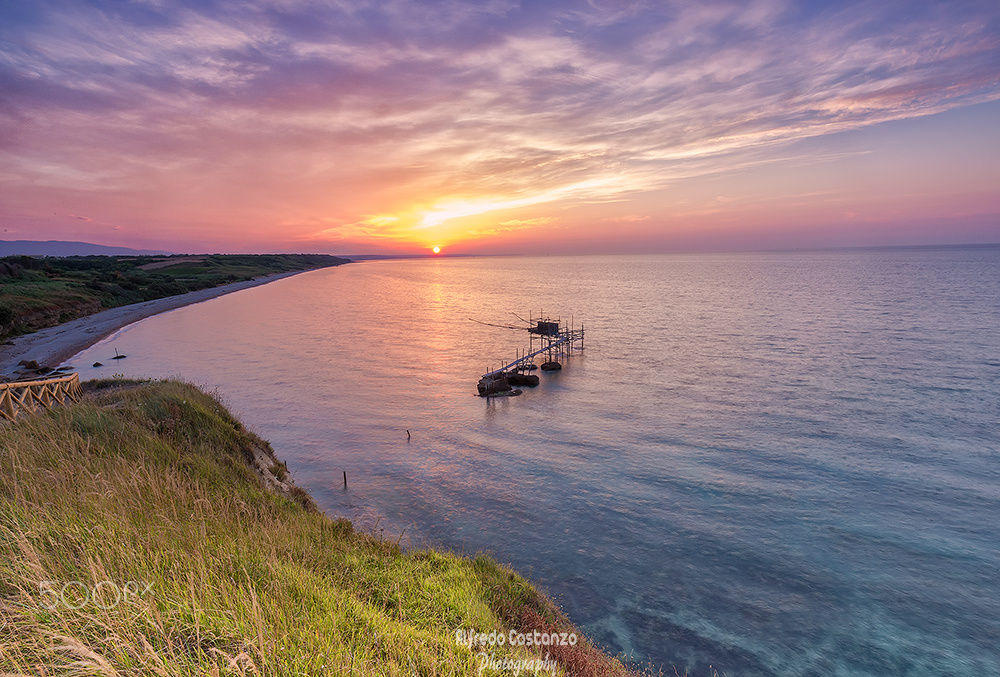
(566, 339)
(22, 397)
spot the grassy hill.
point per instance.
(41, 292)
(137, 538)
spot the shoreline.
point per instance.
(177, 450)
(54, 345)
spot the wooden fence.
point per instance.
(28, 396)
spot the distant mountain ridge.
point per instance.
(66, 248)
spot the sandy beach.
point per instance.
(52, 346)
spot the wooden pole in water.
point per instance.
(345, 479)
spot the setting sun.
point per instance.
(436, 249)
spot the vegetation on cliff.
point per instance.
(138, 537)
(41, 292)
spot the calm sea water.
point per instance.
(771, 464)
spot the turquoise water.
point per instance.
(767, 463)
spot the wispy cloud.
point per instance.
(382, 119)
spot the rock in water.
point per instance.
(516, 379)
(492, 385)
(97, 364)
(551, 366)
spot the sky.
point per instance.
(499, 127)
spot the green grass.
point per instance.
(41, 292)
(149, 483)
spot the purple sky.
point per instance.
(498, 126)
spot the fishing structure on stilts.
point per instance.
(548, 340)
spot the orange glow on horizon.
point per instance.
(558, 147)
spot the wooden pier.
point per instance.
(554, 350)
(548, 339)
(20, 397)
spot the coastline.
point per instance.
(186, 482)
(54, 345)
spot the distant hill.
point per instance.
(62, 248)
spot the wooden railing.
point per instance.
(21, 397)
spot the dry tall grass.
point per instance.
(148, 485)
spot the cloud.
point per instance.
(525, 223)
(382, 118)
(628, 218)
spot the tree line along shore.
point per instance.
(41, 292)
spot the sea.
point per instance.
(759, 463)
